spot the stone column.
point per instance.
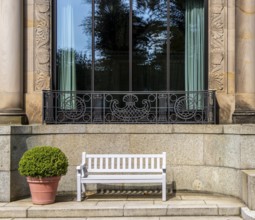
(245, 62)
(11, 61)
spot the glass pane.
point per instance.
(111, 44)
(74, 52)
(149, 44)
(177, 45)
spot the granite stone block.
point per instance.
(181, 149)
(145, 210)
(5, 189)
(222, 150)
(5, 152)
(192, 210)
(211, 179)
(247, 151)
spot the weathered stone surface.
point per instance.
(145, 210)
(5, 153)
(67, 183)
(5, 183)
(232, 129)
(210, 179)
(11, 63)
(19, 186)
(72, 145)
(247, 151)
(229, 210)
(19, 119)
(59, 129)
(197, 129)
(21, 129)
(33, 102)
(129, 128)
(78, 211)
(222, 150)
(181, 149)
(192, 210)
(251, 191)
(244, 116)
(226, 107)
(18, 147)
(248, 188)
(247, 214)
(245, 45)
(9, 212)
(5, 130)
(248, 129)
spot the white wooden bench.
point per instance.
(121, 168)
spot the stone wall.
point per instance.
(199, 157)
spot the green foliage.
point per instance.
(43, 161)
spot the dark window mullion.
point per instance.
(130, 44)
(168, 48)
(54, 84)
(93, 47)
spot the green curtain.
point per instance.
(67, 76)
(194, 50)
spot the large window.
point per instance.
(130, 45)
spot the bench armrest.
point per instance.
(81, 170)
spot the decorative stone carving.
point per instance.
(216, 47)
(42, 45)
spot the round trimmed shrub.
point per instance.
(43, 161)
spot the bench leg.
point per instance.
(78, 187)
(83, 188)
(164, 188)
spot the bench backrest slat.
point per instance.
(114, 163)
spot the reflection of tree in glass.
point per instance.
(149, 27)
(111, 25)
(177, 24)
(149, 24)
(149, 37)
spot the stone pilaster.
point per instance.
(38, 55)
(11, 61)
(221, 55)
(245, 65)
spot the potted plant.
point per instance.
(43, 166)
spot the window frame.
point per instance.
(54, 81)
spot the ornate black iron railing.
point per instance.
(170, 107)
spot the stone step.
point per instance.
(90, 209)
(140, 218)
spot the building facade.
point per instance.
(29, 57)
(33, 40)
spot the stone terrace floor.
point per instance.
(128, 206)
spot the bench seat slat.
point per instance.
(122, 179)
(125, 170)
(124, 155)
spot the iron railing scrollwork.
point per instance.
(171, 107)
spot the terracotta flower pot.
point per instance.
(43, 190)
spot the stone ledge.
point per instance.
(247, 214)
(127, 129)
(248, 188)
(243, 117)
